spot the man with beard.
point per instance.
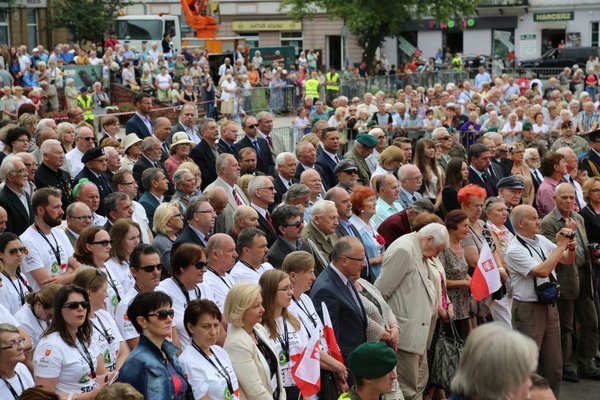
(248, 162)
(13, 197)
(533, 160)
(49, 257)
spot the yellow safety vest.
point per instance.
(457, 64)
(332, 78)
(86, 104)
(312, 88)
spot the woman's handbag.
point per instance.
(329, 389)
(446, 357)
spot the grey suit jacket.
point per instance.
(320, 239)
(405, 200)
(404, 283)
(278, 143)
(225, 221)
(567, 275)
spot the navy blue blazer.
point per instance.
(137, 126)
(187, 235)
(149, 202)
(264, 161)
(264, 226)
(349, 321)
(225, 148)
(328, 165)
(281, 189)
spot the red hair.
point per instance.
(358, 196)
(471, 190)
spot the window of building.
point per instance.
(293, 39)
(4, 29)
(252, 39)
(595, 34)
(32, 28)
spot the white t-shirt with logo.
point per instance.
(243, 273)
(114, 286)
(205, 379)
(296, 340)
(120, 272)
(33, 326)
(125, 326)
(311, 324)
(40, 254)
(170, 287)
(53, 358)
(105, 329)
(220, 286)
(11, 293)
(21, 381)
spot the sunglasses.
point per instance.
(251, 126)
(103, 243)
(16, 250)
(200, 265)
(74, 305)
(151, 268)
(163, 314)
(297, 225)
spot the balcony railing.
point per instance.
(502, 3)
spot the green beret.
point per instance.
(367, 140)
(527, 126)
(372, 360)
(371, 123)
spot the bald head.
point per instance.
(221, 253)
(217, 197)
(3, 219)
(245, 217)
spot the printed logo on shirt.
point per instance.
(115, 300)
(227, 394)
(47, 352)
(106, 356)
(85, 378)
(54, 268)
(282, 358)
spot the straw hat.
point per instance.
(129, 141)
(181, 138)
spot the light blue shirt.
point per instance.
(384, 210)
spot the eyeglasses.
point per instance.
(103, 243)
(84, 217)
(285, 289)
(595, 191)
(351, 172)
(16, 250)
(267, 188)
(163, 314)
(74, 305)
(444, 138)
(151, 268)
(204, 212)
(200, 265)
(416, 178)
(297, 224)
(354, 258)
(19, 171)
(89, 139)
(13, 343)
(251, 126)
(177, 216)
(128, 183)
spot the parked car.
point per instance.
(560, 58)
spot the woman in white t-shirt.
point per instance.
(300, 265)
(207, 365)
(125, 236)
(66, 359)
(285, 331)
(105, 332)
(14, 375)
(37, 312)
(14, 287)
(92, 250)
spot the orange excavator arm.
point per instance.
(197, 16)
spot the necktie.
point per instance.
(237, 198)
(270, 141)
(491, 172)
(337, 160)
(414, 198)
(537, 176)
(289, 183)
(207, 237)
(269, 221)
(576, 197)
(257, 148)
(165, 147)
(488, 185)
(352, 291)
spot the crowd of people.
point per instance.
(196, 260)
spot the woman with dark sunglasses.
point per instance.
(105, 333)
(66, 360)
(188, 265)
(152, 367)
(92, 250)
(14, 287)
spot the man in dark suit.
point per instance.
(206, 152)
(262, 195)
(155, 185)
(330, 157)
(200, 217)
(141, 124)
(264, 156)
(288, 222)
(94, 161)
(499, 166)
(13, 197)
(229, 134)
(188, 119)
(285, 166)
(162, 129)
(150, 158)
(307, 158)
(335, 288)
(533, 160)
(479, 160)
(591, 161)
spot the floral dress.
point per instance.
(457, 269)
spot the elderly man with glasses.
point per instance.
(13, 196)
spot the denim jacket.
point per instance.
(146, 370)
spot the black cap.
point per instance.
(593, 135)
(92, 154)
(511, 182)
(345, 165)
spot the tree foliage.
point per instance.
(87, 20)
(371, 21)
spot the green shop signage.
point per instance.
(554, 16)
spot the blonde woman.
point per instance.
(516, 153)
